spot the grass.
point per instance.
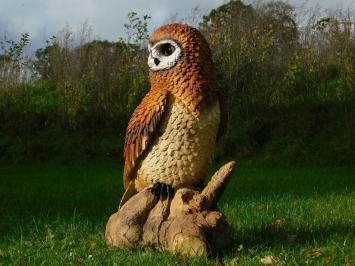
(55, 213)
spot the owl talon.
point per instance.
(162, 191)
(156, 190)
(169, 192)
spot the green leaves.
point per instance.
(14, 50)
(136, 28)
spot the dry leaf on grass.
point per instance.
(347, 261)
(328, 258)
(312, 254)
(268, 260)
(317, 253)
(277, 222)
(92, 244)
(263, 206)
(231, 262)
(78, 260)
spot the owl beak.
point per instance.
(156, 61)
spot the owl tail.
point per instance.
(130, 191)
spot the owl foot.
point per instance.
(163, 191)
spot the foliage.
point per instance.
(13, 63)
(12, 50)
(275, 74)
(288, 87)
(136, 28)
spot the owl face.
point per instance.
(180, 61)
(164, 54)
(177, 46)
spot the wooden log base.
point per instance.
(189, 223)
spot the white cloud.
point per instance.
(44, 18)
(325, 3)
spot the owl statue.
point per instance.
(171, 135)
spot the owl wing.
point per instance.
(141, 127)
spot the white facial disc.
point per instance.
(163, 55)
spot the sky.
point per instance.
(45, 18)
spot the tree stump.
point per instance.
(189, 223)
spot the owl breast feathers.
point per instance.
(171, 135)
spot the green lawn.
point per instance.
(55, 213)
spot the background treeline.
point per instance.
(287, 76)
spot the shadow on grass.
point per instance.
(284, 238)
(291, 237)
(46, 191)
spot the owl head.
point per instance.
(180, 59)
(174, 43)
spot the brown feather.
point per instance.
(141, 128)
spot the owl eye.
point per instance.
(166, 49)
(164, 54)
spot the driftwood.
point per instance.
(189, 223)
